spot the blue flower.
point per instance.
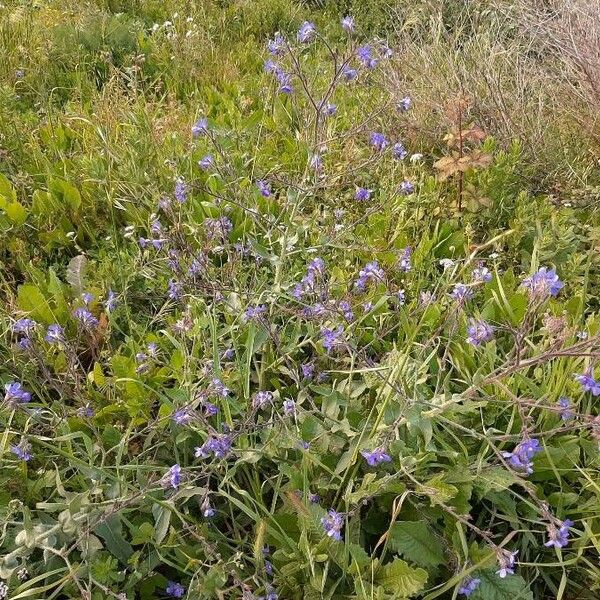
(206, 162)
(543, 284)
(399, 151)
(218, 228)
(111, 301)
(559, 536)
(175, 590)
(366, 58)
(181, 190)
(183, 416)
(174, 476)
(219, 445)
(371, 272)
(330, 109)
(404, 104)
(276, 46)
(468, 586)
(85, 318)
(332, 524)
(376, 456)
(332, 338)
(254, 313)
(207, 510)
(348, 73)
(406, 188)
(308, 370)
(521, 458)
(87, 298)
(261, 399)
(479, 332)
(378, 141)
(362, 194)
(566, 413)
(55, 334)
(482, 274)
(268, 568)
(289, 407)
(588, 383)
(264, 187)
(506, 562)
(404, 262)
(175, 289)
(22, 451)
(200, 127)
(306, 32)
(348, 24)
(24, 326)
(461, 293)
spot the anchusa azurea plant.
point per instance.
(282, 376)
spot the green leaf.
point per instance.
(111, 531)
(493, 587)
(400, 579)
(8, 194)
(31, 300)
(66, 193)
(415, 541)
(16, 212)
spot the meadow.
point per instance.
(299, 300)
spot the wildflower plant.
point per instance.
(268, 354)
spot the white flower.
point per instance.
(447, 263)
(3, 590)
(415, 157)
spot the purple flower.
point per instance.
(22, 451)
(270, 66)
(210, 409)
(218, 228)
(24, 326)
(371, 272)
(285, 81)
(366, 58)
(85, 412)
(330, 109)
(588, 383)
(289, 407)
(218, 445)
(264, 187)
(332, 338)
(559, 536)
(200, 127)
(173, 476)
(521, 458)
(348, 73)
(378, 141)
(206, 162)
(276, 45)
(228, 354)
(55, 334)
(376, 456)
(261, 399)
(404, 104)
(468, 586)
(175, 590)
(543, 284)
(348, 24)
(332, 524)
(506, 562)
(308, 370)
(406, 188)
(111, 301)
(566, 413)
(401, 297)
(15, 393)
(316, 162)
(314, 498)
(404, 263)
(175, 289)
(271, 593)
(183, 416)
(86, 318)
(308, 284)
(87, 298)
(399, 152)
(426, 298)
(268, 568)
(482, 274)
(181, 190)
(254, 313)
(461, 293)
(479, 332)
(346, 309)
(362, 194)
(306, 32)
(219, 388)
(207, 510)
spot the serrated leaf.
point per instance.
(400, 579)
(415, 541)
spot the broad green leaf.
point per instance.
(31, 299)
(8, 195)
(493, 587)
(400, 579)
(111, 531)
(415, 541)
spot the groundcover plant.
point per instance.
(261, 344)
